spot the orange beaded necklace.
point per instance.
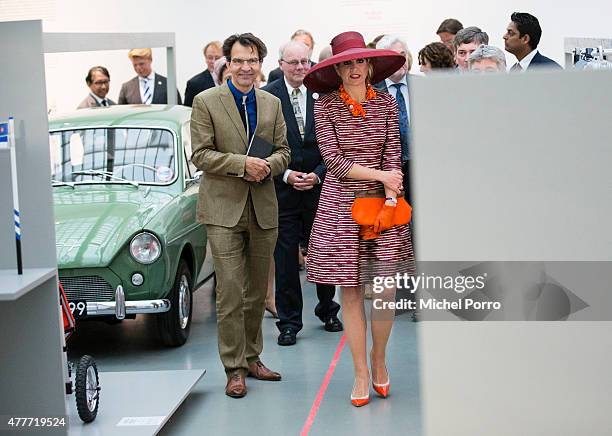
(355, 107)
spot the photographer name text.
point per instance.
(435, 304)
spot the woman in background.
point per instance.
(436, 57)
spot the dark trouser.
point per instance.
(406, 171)
(405, 293)
(292, 225)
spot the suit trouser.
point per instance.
(242, 256)
(406, 182)
(293, 225)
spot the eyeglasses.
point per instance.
(252, 62)
(295, 63)
(101, 82)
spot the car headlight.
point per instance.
(145, 248)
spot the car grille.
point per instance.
(89, 288)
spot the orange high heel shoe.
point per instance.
(381, 389)
(359, 401)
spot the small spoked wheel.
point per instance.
(87, 389)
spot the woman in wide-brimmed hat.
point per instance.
(358, 134)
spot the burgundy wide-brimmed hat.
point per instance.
(345, 47)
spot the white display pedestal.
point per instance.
(152, 398)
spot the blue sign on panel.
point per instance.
(4, 130)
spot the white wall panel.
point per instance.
(197, 22)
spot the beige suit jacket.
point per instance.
(130, 91)
(89, 101)
(219, 144)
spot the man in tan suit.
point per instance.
(147, 87)
(237, 202)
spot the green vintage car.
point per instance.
(125, 197)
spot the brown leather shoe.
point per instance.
(258, 370)
(236, 385)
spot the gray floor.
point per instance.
(270, 408)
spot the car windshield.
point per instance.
(112, 155)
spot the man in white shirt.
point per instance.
(297, 192)
(299, 35)
(147, 87)
(98, 81)
(521, 39)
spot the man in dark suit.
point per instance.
(298, 191)
(98, 81)
(521, 39)
(299, 35)
(397, 85)
(204, 80)
(147, 87)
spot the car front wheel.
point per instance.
(173, 326)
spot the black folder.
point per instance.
(260, 148)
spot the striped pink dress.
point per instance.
(336, 254)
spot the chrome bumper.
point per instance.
(120, 307)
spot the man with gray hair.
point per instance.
(487, 59)
(299, 35)
(397, 86)
(297, 192)
(464, 44)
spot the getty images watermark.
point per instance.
(422, 282)
(495, 291)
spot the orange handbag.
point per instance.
(367, 204)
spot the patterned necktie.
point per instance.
(147, 92)
(516, 68)
(403, 119)
(297, 111)
(104, 102)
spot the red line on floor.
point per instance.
(317, 402)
